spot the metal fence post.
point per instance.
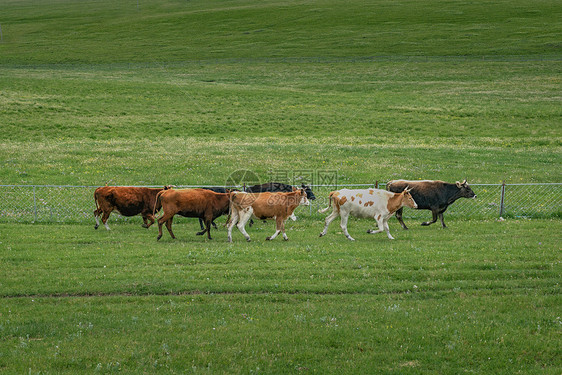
(502, 208)
(34, 206)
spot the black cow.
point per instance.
(431, 195)
(279, 187)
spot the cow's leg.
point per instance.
(164, 219)
(97, 213)
(104, 219)
(328, 220)
(203, 227)
(293, 217)
(387, 230)
(214, 225)
(245, 215)
(434, 213)
(169, 227)
(343, 225)
(208, 221)
(399, 217)
(151, 218)
(379, 224)
(442, 221)
(283, 230)
(232, 222)
(145, 222)
(278, 229)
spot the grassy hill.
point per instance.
(65, 31)
(473, 87)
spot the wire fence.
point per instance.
(75, 204)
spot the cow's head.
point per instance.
(304, 200)
(407, 199)
(309, 193)
(465, 190)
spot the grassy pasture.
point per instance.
(367, 121)
(481, 296)
(186, 92)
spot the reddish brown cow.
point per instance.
(264, 206)
(200, 203)
(127, 200)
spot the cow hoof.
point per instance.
(158, 238)
(200, 233)
(285, 239)
(268, 238)
(425, 224)
(405, 228)
(144, 226)
(248, 240)
(321, 235)
(96, 226)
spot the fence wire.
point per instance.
(75, 204)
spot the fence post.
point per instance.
(34, 206)
(502, 208)
(376, 184)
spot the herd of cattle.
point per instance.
(276, 201)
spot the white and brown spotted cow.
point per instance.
(264, 206)
(366, 203)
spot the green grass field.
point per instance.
(482, 296)
(187, 92)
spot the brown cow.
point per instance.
(264, 206)
(127, 200)
(200, 203)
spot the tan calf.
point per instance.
(264, 206)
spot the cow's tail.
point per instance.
(157, 201)
(329, 204)
(96, 200)
(231, 196)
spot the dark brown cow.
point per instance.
(200, 203)
(128, 201)
(431, 195)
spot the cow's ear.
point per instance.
(294, 188)
(459, 184)
(464, 182)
